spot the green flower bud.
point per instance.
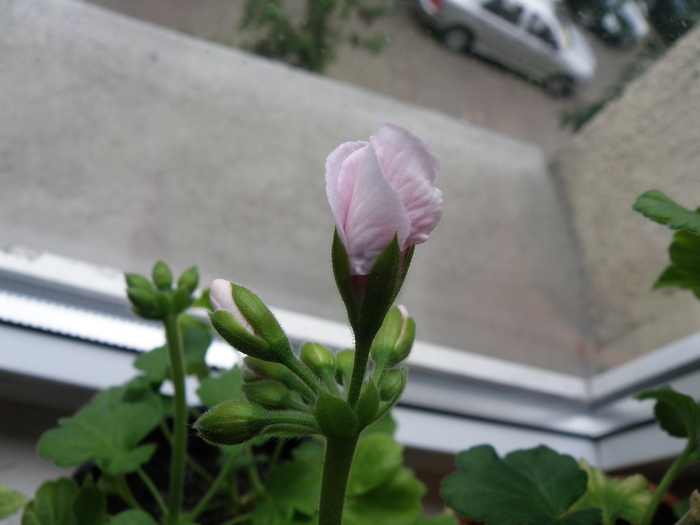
(181, 300)
(393, 385)
(263, 369)
(318, 358)
(231, 423)
(394, 340)
(134, 280)
(367, 405)
(189, 280)
(244, 321)
(162, 276)
(268, 394)
(345, 361)
(162, 303)
(141, 299)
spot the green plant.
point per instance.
(307, 34)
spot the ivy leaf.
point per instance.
(656, 206)
(377, 459)
(677, 414)
(625, 499)
(133, 517)
(226, 387)
(108, 430)
(10, 501)
(395, 502)
(527, 486)
(53, 504)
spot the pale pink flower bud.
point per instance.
(221, 298)
(380, 189)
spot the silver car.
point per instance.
(532, 37)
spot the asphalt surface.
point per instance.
(415, 68)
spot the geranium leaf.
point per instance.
(108, 430)
(53, 504)
(10, 501)
(397, 501)
(296, 485)
(624, 499)
(527, 486)
(677, 414)
(225, 387)
(658, 207)
(377, 459)
(438, 519)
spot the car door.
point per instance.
(540, 47)
(496, 31)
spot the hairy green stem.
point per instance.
(359, 368)
(214, 488)
(179, 448)
(152, 489)
(125, 492)
(678, 465)
(199, 469)
(336, 470)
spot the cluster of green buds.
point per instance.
(304, 393)
(156, 298)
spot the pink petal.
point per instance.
(339, 189)
(220, 296)
(374, 216)
(412, 170)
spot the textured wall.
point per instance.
(650, 138)
(121, 143)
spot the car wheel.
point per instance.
(457, 39)
(560, 86)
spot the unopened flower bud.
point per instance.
(134, 280)
(268, 394)
(395, 338)
(231, 423)
(162, 276)
(345, 360)
(189, 280)
(259, 369)
(244, 321)
(393, 385)
(318, 358)
(141, 299)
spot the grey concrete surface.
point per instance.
(415, 68)
(649, 139)
(122, 143)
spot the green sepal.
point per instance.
(238, 336)
(189, 280)
(162, 276)
(368, 405)
(231, 423)
(334, 416)
(263, 322)
(343, 278)
(380, 292)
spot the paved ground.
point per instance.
(414, 68)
